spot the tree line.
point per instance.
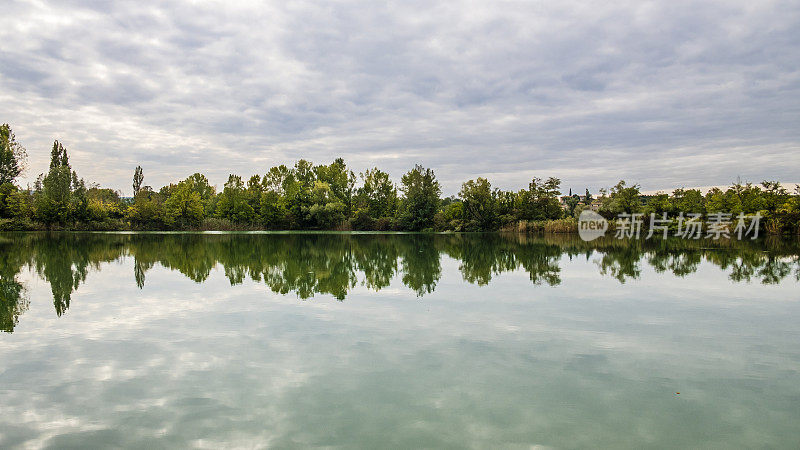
(306, 196)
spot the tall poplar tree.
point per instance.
(138, 179)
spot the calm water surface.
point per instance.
(402, 341)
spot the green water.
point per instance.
(397, 341)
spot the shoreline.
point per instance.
(567, 226)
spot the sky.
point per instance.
(660, 93)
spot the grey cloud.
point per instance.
(590, 93)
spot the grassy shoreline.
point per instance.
(558, 226)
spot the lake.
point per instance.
(164, 340)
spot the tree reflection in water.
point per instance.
(309, 264)
(13, 299)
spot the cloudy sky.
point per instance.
(662, 93)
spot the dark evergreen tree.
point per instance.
(138, 179)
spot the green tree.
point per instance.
(272, 210)
(658, 204)
(789, 213)
(340, 180)
(12, 156)
(253, 196)
(421, 192)
(505, 206)
(327, 210)
(147, 210)
(232, 203)
(540, 200)
(276, 179)
(199, 183)
(773, 195)
(479, 205)
(184, 208)
(303, 174)
(377, 195)
(19, 204)
(79, 200)
(688, 201)
(7, 190)
(298, 186)
(452, 216)
(751, 199)
(727, 201)
(104, 204)
(53, 201)
(623, 199)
